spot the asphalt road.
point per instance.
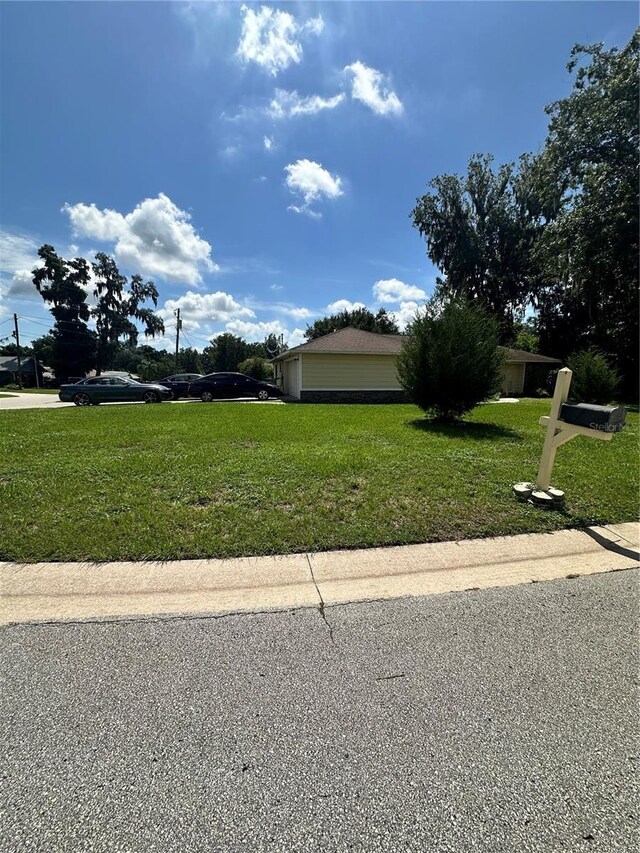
(503, 720)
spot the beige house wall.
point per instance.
(332, 371)
(513, 379)
(349, 372)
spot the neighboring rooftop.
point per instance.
(521, 355)
(350, 340)
(9, 363)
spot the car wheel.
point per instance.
(263, 394)
(82, 400)
(150, 397)
(206, 396)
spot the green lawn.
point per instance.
(228, 479)
(34, 391)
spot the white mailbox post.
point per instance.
(558, 432)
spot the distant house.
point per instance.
(518, 363)
(352, 366)
(9, 370)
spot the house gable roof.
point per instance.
(519, 356)
(9, 364)
(355, 341)
(349, 340)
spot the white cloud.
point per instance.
(88, 221)
(344, 305)
(286, 104)
(18, 256)
(312, 182)
(18, 252)
(259, 331)
(306, 211)
(405, 314)
(298, 313)
(268, 143)
(370, 87)
(230, 151)
(21, 284)
(156, 238)
(394, 290)
(204, 308)
(271, 38)
(275, 287)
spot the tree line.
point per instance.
(558, 231)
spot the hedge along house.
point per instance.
(352, 366)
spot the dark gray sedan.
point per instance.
(112, 389)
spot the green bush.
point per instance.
(450, 360)
(594, 380)
(257, 367)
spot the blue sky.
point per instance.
(260, 162)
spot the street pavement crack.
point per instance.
(321, 604)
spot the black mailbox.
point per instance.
(605, 418)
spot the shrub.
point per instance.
(594, 380)
(450, 360)
(258, 368)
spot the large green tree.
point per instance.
(225, 353)
(359, 318)
(63, 285)
(480, 229)
(589, 250)
(119, 307)
(43, 348)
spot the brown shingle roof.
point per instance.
(356, 341)
(520, 355)
(350, 340)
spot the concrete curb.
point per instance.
(59, 592)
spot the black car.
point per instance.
(112, 389)
(179, 384)
(221, 386)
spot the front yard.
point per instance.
(194, 480)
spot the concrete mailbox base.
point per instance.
(530, 493)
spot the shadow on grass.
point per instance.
(464, 429)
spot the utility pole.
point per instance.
(178, 327)
(35, 364)
(16, 335)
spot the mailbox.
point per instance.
(564, 422)
(602, 418)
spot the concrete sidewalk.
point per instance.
(58, 592)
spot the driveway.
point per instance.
(30, 401)
(494, 720)
(50, 401)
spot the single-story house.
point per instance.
(9, 370)
(352, 366)
(518, 363)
